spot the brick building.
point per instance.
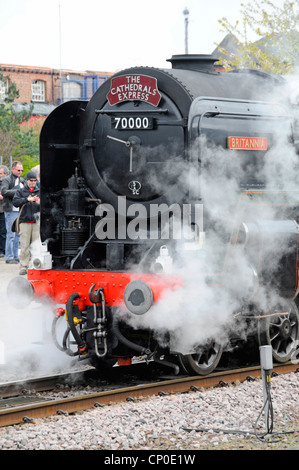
(46, 88)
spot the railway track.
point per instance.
(16, 410)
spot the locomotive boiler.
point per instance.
(168, 220)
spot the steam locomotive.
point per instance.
(169, 223)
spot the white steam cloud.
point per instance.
(26, 345)
(219, 283)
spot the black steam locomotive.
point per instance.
(168, 219)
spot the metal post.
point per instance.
(60, 59)
(266, 366)
(186, 13)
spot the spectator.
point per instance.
(28, 196)
(3, 173)
(36, 170)
(9, 186)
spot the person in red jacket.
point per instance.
(28, 196)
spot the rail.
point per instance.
(42, 408)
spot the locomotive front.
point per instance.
(109, 171)
(121, 205)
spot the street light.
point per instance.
(186, 14)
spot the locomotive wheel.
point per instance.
(281, 332)
(204, 361)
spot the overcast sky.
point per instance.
(108, 35)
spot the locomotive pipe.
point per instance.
(127, 342)
(70, 314)
(65, 348)
(249, 230)
(54, 335)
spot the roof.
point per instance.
(47, 70)
(229, 43)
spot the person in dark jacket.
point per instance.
(4, 172)
(9, 186)
(28, 198)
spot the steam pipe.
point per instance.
(127, 342)
(175, 367)
(68, 351)
(69, 308)
(54, 336)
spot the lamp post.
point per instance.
(186, 14)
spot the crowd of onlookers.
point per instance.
(19, 213)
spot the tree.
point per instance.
(277, 50)
(21, 144)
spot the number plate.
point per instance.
(132, 122)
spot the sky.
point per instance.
(102, 35)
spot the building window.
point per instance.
(3, 90)
(38, 90)
(71, 90)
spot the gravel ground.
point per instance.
(161, 423)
